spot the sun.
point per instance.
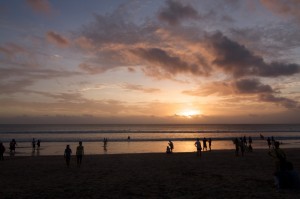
(189, 113)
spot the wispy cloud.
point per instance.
(284, 8)
(140, 88)
(57, 39)
(41, 6)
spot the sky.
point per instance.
(149, 61)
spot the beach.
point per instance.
(217, 174)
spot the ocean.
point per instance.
(148, 138)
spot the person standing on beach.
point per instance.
(278, 155)
(38, 144)
(67, 155)
(209, 144)
(171, 146)
(12, 146)
(204, 144)
(279, 158)
(198, 146)
(33, 144)
(79, 153)
(2, 150)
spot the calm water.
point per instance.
(144, 138)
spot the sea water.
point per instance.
(149, 138)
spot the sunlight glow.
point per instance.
(189, 113)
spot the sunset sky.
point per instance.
(150, 61)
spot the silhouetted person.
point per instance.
(198, 146)
(273, 142)
(12, 146)
(2, 150)
(250, 140)
(244, 140)
(250, 149)
(242, 146)
(279, 158)
(33, 144)
(171, 145)
(67, 155)
(105, 141)
(79, 153)
(204, 144)
(38, 144)
(209, 144)
(128, 138)
(289, 179)
(168, 150)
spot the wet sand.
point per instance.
(217, 174)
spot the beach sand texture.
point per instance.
(217, 174)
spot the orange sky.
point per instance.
(126, 61)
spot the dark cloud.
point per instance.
(172, 64)
(175, 12)
(252, 86)
(57, 39)
(283, 101)
(237, 60)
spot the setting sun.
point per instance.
(189, 113)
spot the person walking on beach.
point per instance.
(2, 150)
(198, 146)
(79, 153)
(209, 143)
(171, 145)
(67, 155)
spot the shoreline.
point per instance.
(217, 174)
(129, 147)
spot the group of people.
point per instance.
(242, 145)
(198, 146)
(79, 154)
(35, 143)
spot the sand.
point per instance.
(217, 174)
